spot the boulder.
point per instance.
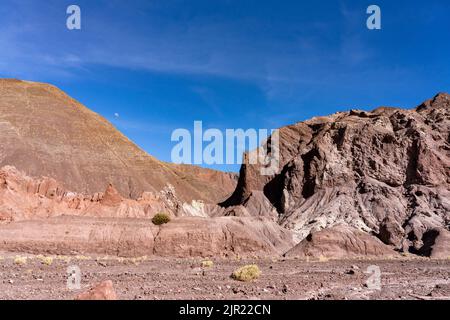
(392, 233)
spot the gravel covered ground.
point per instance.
(38, 277)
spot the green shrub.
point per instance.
(160, 218)
(247, 273)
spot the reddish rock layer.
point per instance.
(341, 242)
(385, 172)
(182, 237)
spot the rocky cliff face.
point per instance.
(44, 132)
(385, 172)
(26, 198)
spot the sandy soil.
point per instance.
(144, 278)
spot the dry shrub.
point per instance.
(20, 260)
(207, 263)
(247, 273)
(47, 261)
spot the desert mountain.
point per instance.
(44, 132)
(385, 172)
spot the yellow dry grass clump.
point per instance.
(47, 261)
(207, 263)
(247, 273)
(20, 260)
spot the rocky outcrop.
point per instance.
(25, 198)
(44, 132)
(111, 197)
(435, 244)
(341, 242)
(392, 233)
(384, 172)
(182, 237)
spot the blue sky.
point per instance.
(232, 64)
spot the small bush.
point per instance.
(47, 261)
(247, 273)
(160, 218)
(20, 260)
(207, 264)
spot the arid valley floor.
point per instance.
(154, 279)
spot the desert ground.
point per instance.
(45, 277)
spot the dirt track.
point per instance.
(185, 279)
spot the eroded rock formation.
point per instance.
(39, 216)
(26, 198)
(341, 242)
(385, 172)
